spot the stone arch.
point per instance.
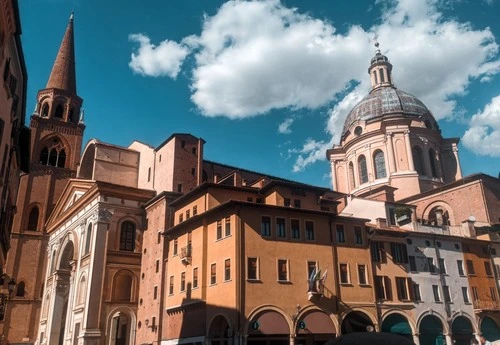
(357, 320)
(113, 323)
(489, 328)
(45, 109)
(409, 318)
(219, 328)
(439, 204)
(316, 321)
(462, 328)
(265, 309)
(59, 110)
(393, 316)
(123, 286)
(67, 253)
(310, 308)
(431, 312)
(362, 169)
(32, 222)
(379, 164)
(48, 143)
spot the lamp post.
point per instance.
(4, 298)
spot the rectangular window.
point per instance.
(183, 281)
(497, 268)
(265, 226)
(155, 292)
(363, 280)
(280, 227)
(442, 266)
(219, 229)
(296, 203)
(213, 274)
(375, 251)
(195, 277)
(228, 227)
(487, 269)
(282, 270)
(344, 274)
(399, 254)
(465, 294)
(195, 210)
(379, 287)
(460, 265)
(413, 263)
(358, 235)
(158, 240)
(157, 266)
(493, 293)
(340, 233)
(193, 150)
(470, 268)
(295, 224)
(392, 217)
(176, 245)
(446, 291)
(188, 214)
(286, 202)
(171, 286)
(430, 263)
(149, 174)
(416, 293)
(179, 188)
(311, 267)
(309, 230)
(475, 294)
(181, 218)
(252, 269)
(435, 291)
(227, 270)
(402, 288)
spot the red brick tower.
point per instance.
(56, 140)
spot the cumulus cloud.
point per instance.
(284, 127)
(155, 61)
(483, 135)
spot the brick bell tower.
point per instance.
(56, 140)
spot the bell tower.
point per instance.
(56, 141)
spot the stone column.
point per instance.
(369, 163)
(292, 339)
(355, 171)
(416, 339)
(409, 154)
(439, 166)
(390, 153)
(334, 177)
(427, 162)
(449, 340)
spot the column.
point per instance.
(427, 163)
(292, 339)
(369, 164)
(409, 154)
(390, 152)
(334, 177)
(459, 168)
(439, 166)
(449, 340)
(416, 339)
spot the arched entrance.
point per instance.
(314, 328)
(357, 321)
(431, 331)
(60, 301)
(397, 324)
(489, 329)
(120, 329)
(268, 328)
(219, 331)
(462, 331)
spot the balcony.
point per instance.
(185, 254)
(486, 305)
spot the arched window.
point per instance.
(382, 79)
(20, 289)
(61, 159)
(376, 77)
(418, 160)
(53, 262)
(33, 219)
(122, 288)
(82, 291)
(44, 156)
(363, 171)
(59, 111)
(88, 237)
(379, 161)
(45, 110)
(53, 157)
(72, 117)
(127, 236)
(352, 180)
(46, 306)
(432, 159)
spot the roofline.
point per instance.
(162, 195)
(173, 135)
(206, 185)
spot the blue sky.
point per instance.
(267, 84)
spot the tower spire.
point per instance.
(380, 69)
(63, 72)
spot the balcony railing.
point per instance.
(486, 305)
(185, 254)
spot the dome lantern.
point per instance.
(380, 69)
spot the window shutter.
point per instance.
(383, 254)
(405, 254)
(411, 296)
(388, 288)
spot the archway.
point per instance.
(357, 321)
(268, 328)
(431, 331)
(462, 330)
(219, 331)
(120, 329)
(314, 328)
(397, 324)
(489, 329)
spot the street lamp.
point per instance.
(11, 286)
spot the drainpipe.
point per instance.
(442, 281)
(372, 268)
(335, 272)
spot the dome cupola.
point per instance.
(380, 69)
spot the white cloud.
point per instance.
(311, 152)
(483, 135)
(284, 127)
(155, 61)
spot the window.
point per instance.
(179, 187)
(344, 274)
(219, 229)
(176, 247)
(487, 269)
(195, 277)
(195, 210)
(295, 224)
(283, 270)
(363, 280)
(286, 202)
(352, 179)
(227, 270)
(435, 291)
(188, 214)
(158, 240)
(280, 227)
(127, 236)
(252, 269)
(475, 294)
(296, 203)
(82, 290)
(45, 110)
(88, 238)
(358, 235)
(460, 265)
(358, 131)
(470, 268)
(181, 217)
(442, 266)
(193, 150)
(430, 263)
(379, 161)
(33, 219)
(399, 254)
(383, 288)
(213, 274)
(309, 230)
(20, 289)
(402, 288)
(265, 226)
(193, 171)
(228, 227)
(413, 264)
(447, 296)
(155, 292)
(149, 174)
(59, 111)
(497, 269)
(340, 233)
(381, 73)
(418, 160)
(183, 281)
(465, 294)
(56, 157)
(311, 268)
(183, 143)
(378, 253)
(363, 172)
(157, 266)
(493, 293)
(432, 160)
(416, 293)
(171, 286)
